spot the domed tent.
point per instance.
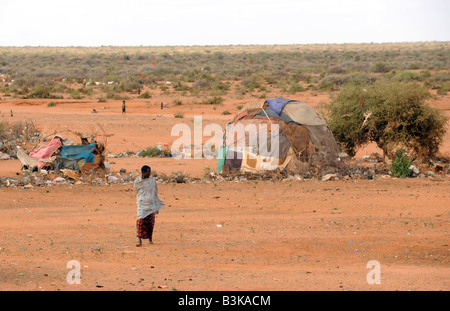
(290, 134)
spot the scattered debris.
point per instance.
(414, 169)
(4, 156)
(330, 177)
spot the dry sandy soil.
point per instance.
(278, 236)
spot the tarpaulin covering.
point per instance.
(64, 163)
(303, 114)
(221, 158)
(78, 152)
(277, 104)
(253, 108)
(269, 112)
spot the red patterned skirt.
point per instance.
(145, 226)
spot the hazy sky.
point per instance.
(214, 22)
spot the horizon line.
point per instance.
(224, 45)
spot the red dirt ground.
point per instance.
(286, 235)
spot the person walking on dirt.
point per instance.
(148, 205)
(124, 108)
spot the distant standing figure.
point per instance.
(124, 108)
(162, 106)
(148, 205)
(11, 113)
(139, 91)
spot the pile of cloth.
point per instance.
(62, 154)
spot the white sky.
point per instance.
(220, 22)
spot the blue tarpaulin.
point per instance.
(277, 104)
(269, 111)
(79, 152)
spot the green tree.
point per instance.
(392, 114)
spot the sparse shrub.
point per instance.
(85, 91)
(216, 100)
(251, 83)
(146, 94)
(179, 115)
(42, 91)
(262, 96)
(59, 88)
(337, 81)
(180, 87)
(295, 88)
(337, 70)
(120, 97)
(400, 165)
(444, 89)
(223, 87)
(207, 172)
(408, 76)
(75, 94)
(212, 101)
(152, 152)
(332, 82)
(381, 68)
(226, 112)
(51, 104)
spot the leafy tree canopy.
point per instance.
(392, 114)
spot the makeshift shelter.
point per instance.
(296, 136)
(61, 154)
